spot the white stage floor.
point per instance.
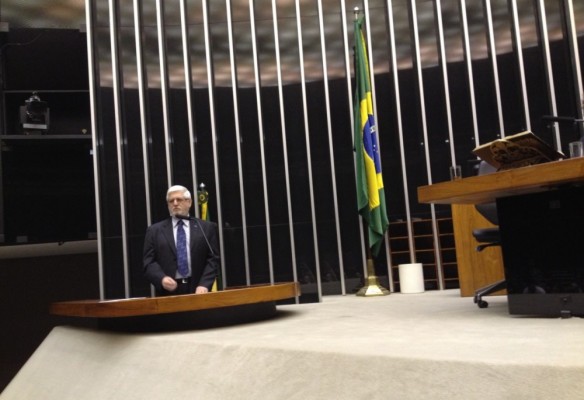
(433, 345)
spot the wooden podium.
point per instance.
(229, 306)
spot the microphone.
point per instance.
(552, 118)
(188, 218)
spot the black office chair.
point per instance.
(487, 237)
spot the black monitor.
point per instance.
(34, 115)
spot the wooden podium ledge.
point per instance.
(143, 306)
(232, 306)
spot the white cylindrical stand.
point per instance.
(411, 278)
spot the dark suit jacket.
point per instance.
(160, 253)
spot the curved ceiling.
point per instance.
(70, 14)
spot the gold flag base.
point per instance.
(372, 287)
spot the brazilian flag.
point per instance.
(370, 193)
(203, 202)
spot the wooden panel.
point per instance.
(475, 269)
(173, 304)
(485, 188)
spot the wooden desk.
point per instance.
(541, 215)
(475, 269)
(513, 182)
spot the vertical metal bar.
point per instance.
(575, 60)
(238, 138)
(308, 157)
(544, 42)
(519, 50)
(285, 143)
(258, 84)
(211, 88)
(143, 113)
(493, 56)
(444, 70)
(469, 70)
(348, 63)
(92, 67)
(117, 94)
(142, 103)
(443, 67)
(400, 131)
(188, 93)
(164, 88)
(421, 95)
(371, 61)
(330, 140)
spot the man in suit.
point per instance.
(171, 270)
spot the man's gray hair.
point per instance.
(178, 188)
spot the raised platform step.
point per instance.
(434, 345)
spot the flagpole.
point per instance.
(203, 214)
(371, 285)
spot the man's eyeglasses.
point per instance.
(179, 200)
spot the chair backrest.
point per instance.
(488, 210)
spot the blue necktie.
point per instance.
(182, 259)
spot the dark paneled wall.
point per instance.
(46, 178)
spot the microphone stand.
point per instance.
(553, 118)
(188, 218)
(576, 123)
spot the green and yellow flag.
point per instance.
(203, 201)
(370, 194)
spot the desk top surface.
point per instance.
(485, 188)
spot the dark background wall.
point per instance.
(47, 179)
(47, 189)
